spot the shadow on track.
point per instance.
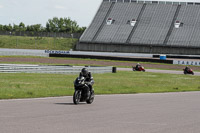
(69, 103)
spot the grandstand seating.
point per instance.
(108, 31)
(89, 34)
(119, 31)
(188, 34)
(154, 24)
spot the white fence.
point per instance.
(45, 53)
(22, 52)
(15, 68)
(187, 62)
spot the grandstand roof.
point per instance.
(159, 1)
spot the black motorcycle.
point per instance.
(80, 94)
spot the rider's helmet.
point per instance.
(84, 71)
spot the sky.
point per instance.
(39, 11)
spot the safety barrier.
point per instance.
(22, 52)
(16, 68)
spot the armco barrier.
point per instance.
(15, 68)
(22, 52)
(112, 58)
(180, 56)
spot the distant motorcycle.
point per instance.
(140, 68)
(80, 94)
(188, 71)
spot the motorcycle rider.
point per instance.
(88, 79)
(137, 66)
(187, 69)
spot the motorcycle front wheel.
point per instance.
(91, 98)
(192, 73)
(77, 96)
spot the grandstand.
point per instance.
(144, 27)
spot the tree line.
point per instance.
(62, 25)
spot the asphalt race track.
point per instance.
(137, 113)
(159, 71)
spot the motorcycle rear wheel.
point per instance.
(77, 97)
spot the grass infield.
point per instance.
(24, 85)
(21, 42)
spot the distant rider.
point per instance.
(187, 69)
(137, 66)
(88, 79)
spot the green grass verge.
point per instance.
(21, 42)
(23, 85)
